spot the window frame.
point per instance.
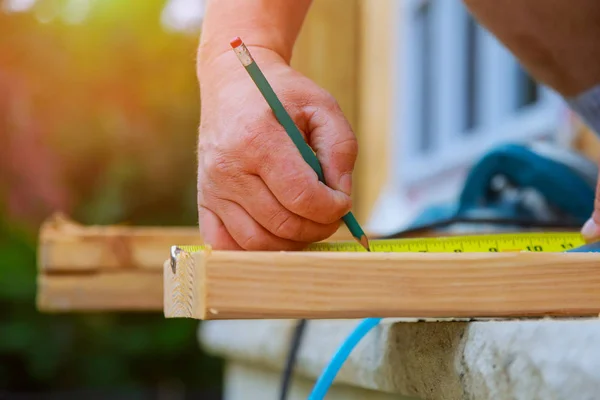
(453, 147)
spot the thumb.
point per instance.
(591, 229)
(335, 144)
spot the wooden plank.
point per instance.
(65, 245)
(107, 291)
(108, 268)
(234, 285)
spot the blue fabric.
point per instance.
(587, 106)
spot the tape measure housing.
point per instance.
(506, 242)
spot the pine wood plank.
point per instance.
(239, 285)
(65, 245)
(108, 268)
(130, 291)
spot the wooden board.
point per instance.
(130, 291)
(103, 268)
(108, 268)
(65, 245)
(235, 285)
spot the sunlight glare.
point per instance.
(17, 5)
(183, 15)
(75, 11)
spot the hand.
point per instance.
(255, 191)
(591, 229)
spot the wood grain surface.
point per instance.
(237, 285)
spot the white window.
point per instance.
(460, 93)
(463, 92)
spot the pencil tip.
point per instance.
(365, 242)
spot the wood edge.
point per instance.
(41, 304)
(109, 291)
(201, 307)
(49, 228)
(236, 262)
(184, 285)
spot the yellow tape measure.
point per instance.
(507, 242)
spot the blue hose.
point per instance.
(328, 375)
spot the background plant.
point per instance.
(98, 119)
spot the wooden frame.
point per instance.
(103, 268)
(120, 268)
(108, 268)
(314, 285)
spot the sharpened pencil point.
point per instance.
(365, 242)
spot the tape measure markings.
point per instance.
(504, 242)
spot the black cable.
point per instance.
(291, 359)
(524, 223)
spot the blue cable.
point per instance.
(328, 375)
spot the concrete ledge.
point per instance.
(523, 359)
(251, 382)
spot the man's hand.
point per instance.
(591, 229)
(255, 191)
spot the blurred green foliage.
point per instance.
(51, 352)
(99, 120)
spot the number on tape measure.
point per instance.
(495, 243)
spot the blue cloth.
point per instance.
(587, 106)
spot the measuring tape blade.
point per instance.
(508, 242)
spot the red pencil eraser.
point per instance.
(235, 42)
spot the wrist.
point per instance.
(212, 47)
(224, 68)
(268, 24)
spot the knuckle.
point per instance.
(252, 240)
(221, 164)
(331, 217)
(251, 136)
(285, 225)
(301, 195)
(256, 139)
(247, 242)
(347, 146)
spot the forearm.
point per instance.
(272, 24)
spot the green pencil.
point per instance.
(290, 127)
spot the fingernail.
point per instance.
(346, 183)
(590, 230)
